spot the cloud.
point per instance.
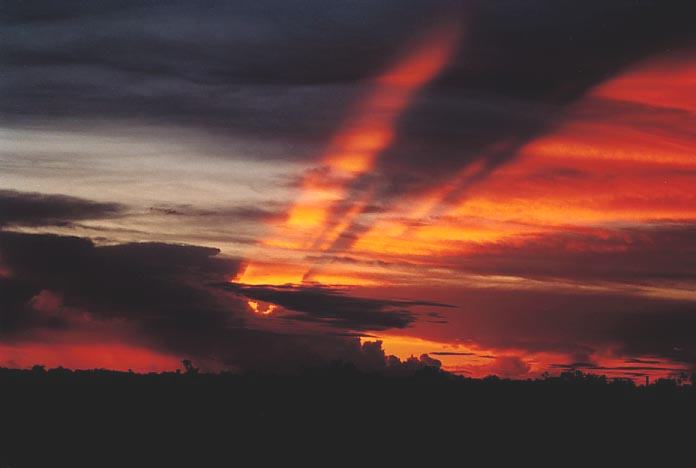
(35, 209)
(596, 368)
(289, 76)
(577, 324)
(451, 353)
(276, 70)
(333, 307)
(167, 298)
(151, 284)
(222, 216)
(633, 255)
(290, 73)
(509, 366)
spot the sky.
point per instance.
(494, 186)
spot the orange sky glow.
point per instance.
(472, 184)
(593, 172)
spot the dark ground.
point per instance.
(103, 418)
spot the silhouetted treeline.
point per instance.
(60, 417)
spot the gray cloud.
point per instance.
(334, 307)
(35, 209)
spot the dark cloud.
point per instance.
(448, 129)
(642, 361)
(35, 209)
(162, 295)
(576, 365)
(555, 49)
(334, 307)
(451, 353)
(152, 284)
(267, 67)
(632, 255)
(576, 324)
(236, 214)
(15, 313)
(286, 70)
(292, 71)
(628, 370)
(175, 299)
(509, 366)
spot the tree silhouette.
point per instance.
(188, 365)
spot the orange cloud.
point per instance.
(272, 273)
(607, 163)
(473, 361)
(352, 152)
(663, 82)
(611, 162)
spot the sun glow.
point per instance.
(258, 308)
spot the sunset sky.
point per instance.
(505, 186)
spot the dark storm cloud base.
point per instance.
(171, 294)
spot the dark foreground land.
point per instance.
(103, 418)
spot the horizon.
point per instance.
(188, 369)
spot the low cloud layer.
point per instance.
(632, 255)
(167, 297)
(335, 308)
